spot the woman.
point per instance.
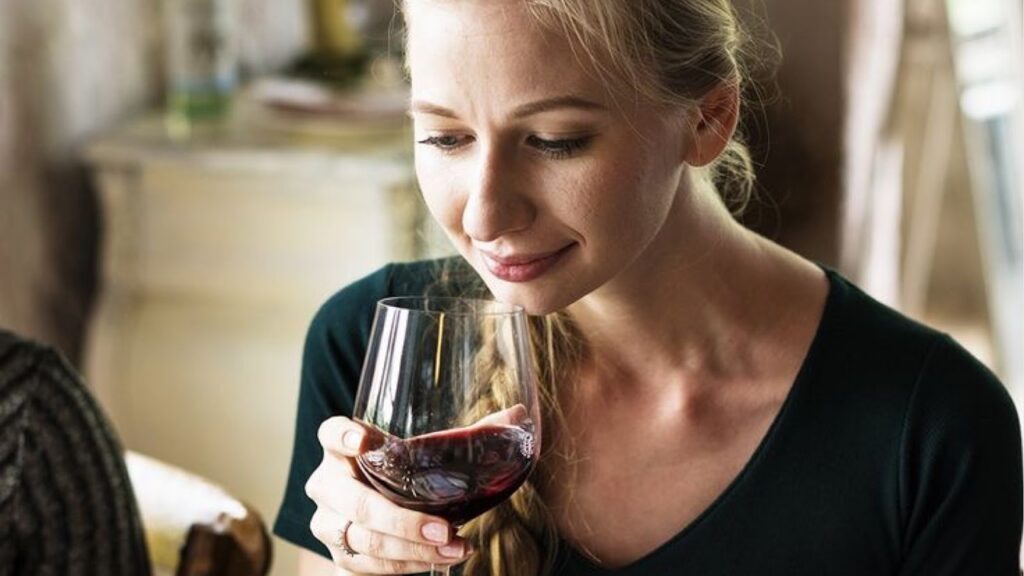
(719, 404)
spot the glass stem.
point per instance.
(436, 570)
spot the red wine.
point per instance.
(457, 474)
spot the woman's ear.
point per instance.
(715, 122)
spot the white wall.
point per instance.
(70, 68)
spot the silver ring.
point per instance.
(342, 540)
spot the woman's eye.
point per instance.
(558, 149)
(446, 143)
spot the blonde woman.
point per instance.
(715, 404)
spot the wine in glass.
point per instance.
(449, 390)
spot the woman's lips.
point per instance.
(523, 268)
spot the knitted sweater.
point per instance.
(66, 504)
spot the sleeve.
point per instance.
(331, 362)
(961, 487)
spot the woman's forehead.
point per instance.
(486, 47)
(472, 18)
(463, 42)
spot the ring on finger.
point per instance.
(342, 540)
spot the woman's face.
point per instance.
(546, 186)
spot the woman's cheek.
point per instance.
(442, 197)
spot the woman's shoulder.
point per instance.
(925, 428)
(869, 338)
(879, 325)
(960, 470)
(931, 377)
(959, 399)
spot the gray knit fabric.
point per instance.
(66, 504)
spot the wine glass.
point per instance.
(449, 392)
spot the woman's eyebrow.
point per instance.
(555, 103)
(529, 109)
(421, 107)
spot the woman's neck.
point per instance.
(686, 311)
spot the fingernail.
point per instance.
(454, 550)
(435, 532)
(352, 439)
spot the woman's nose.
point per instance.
(496, 204)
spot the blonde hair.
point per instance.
(519, 536)
(667, 52)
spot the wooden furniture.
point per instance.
(193, 527)
(217, 251)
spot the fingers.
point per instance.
(389, 539)
(377, 547)
(350, 498)
(347, 438)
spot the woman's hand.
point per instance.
(386, 538)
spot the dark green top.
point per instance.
(895, 453)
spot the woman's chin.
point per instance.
(536, 300)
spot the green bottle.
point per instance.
(202, 65)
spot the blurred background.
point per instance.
(183, 182)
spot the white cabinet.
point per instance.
(217, 252)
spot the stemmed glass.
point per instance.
(449, 387)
